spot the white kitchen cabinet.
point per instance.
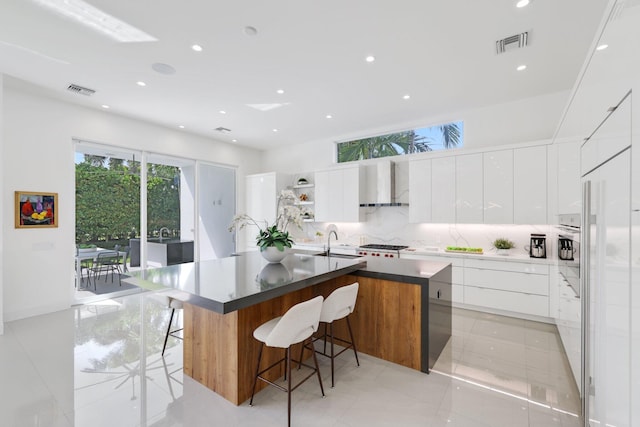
(469, 189)
(516, 302)
(517, 287)
(443, 190)
(498, 187)
(261, 201)
(323, 196)
(530, 185)
(569, 191)
(338, 193)
(420, 191)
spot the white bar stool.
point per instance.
(339, 305)
(297, 325)
(174, 305)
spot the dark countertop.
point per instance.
(401, 270)
(228, 284)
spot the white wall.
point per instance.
(530, 119)
(1, 204)
(38, 156)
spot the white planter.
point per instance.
(272, 254)
(503, 252)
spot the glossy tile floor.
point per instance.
(99, 365)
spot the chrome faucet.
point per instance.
(329, 241)
(163, 229)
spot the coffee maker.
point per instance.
(565, 248)
(538, 246)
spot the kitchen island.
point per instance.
(403, 313)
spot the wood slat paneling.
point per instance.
(221, 353)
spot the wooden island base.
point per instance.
(388, 322)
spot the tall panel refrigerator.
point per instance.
(606, 270)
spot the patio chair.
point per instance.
(105, 262)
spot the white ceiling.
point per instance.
(442, 53)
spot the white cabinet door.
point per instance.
(469, 178)
(498, 187)
(420, 191)
(350, 185)
(323, 193)
(569, 193)
(443, 190)
(337, 194)
(530, 185)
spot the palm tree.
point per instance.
(407, 142)
(450, 135)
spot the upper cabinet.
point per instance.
(338, 193)
(530, 185)
(498, 187)
(495, 187)
(569, 191)
(420, 191)
(469, 189)
(443, 190)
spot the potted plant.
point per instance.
(503, 245)
(274, 239)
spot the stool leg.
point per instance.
(353, 342)
(166, 337)
(288, 372)
(255, 379)
(315, 362)
(332, 356)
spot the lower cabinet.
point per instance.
(518, 287)
(513, 287)
(517, 302)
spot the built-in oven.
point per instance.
(569, 250)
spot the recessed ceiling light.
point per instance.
(181, 126)
(94, 18)
(234, 140)
(196, 47)
(250, 31)
(522, 3)
(406, 97)
(521, 67)
(602, 47)
(370, 58)
(105, 106)
(141, 83)
(222, 112)
(280, 91)
(329, 116)
(275, 130)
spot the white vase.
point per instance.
(503, 252)
(272, 254)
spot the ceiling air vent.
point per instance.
(223, 130)
(512, 42)
(81, 90)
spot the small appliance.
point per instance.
(538, 246)
(565, 248)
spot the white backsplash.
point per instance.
(389, 225)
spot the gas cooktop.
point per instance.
(384, 247)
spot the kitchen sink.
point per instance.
(334, 255)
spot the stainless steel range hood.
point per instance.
(380, 185)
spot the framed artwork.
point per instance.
(36, 209)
